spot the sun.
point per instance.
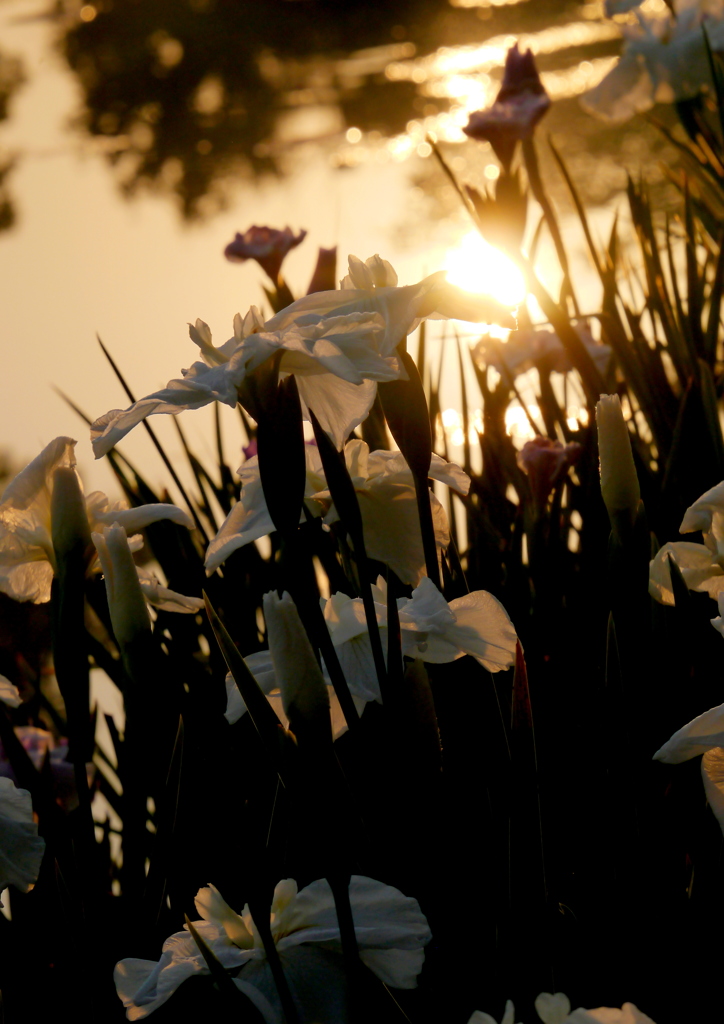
(477, 266)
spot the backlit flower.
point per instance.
(664, 61)
(304, 695)
(431, 629)
(371, 287)
(391, 935)
(268, 246)
(530, 347)
(386, 496)
(546, 462)
(704, 735)
(334, 358)
(701, 565)
(520, 104)
(338, 344)
(27, 557)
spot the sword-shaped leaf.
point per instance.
(237, 1002)
(408, 418)
(262, 715)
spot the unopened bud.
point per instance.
(68, 519)
(126, 603)
(619, 483)
(304, 692)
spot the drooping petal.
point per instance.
(697, 565)
(391, 527)
(21, 848)
(699, 515)
(199, 387)
(449, 473)
(445, 301)
(384, 919)
(299, 677)
(483, 629)
(339, 405)
(31, 487)
(248, 520)
(25, 507)
(698, 736)
(143, 985)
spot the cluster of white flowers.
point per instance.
(432, 630)
(390, 928)
(664, 58)
(338, 344)
(702, 568)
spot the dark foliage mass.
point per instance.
(193, 89)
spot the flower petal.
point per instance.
(9, 693)
(338, 405)
(21, 848)
(697, 565)
(553, 1008)
(143, 986)
(705, 509)
(698, 736)
(213, 908)
(199, 387)
(483, 629)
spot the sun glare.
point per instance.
(478, 267)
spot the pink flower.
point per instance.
(267, 246)
(545, 462)
(519, 106)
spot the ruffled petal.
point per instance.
(339, 405)
(143, 986)
(201, 386)
(484, 630)
(21, 848)
(697, 565)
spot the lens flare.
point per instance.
(477, 266)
